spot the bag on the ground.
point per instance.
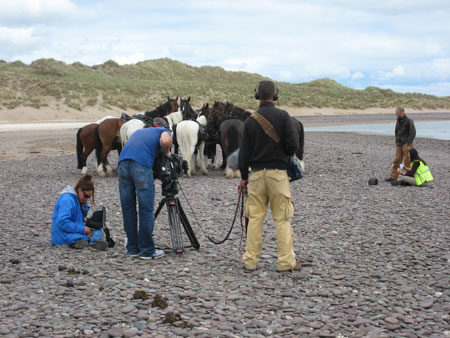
(294, 170)
(95, 222)
(98, 221)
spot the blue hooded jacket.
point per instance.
(68, 218)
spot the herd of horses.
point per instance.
(196, 134)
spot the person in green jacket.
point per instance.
(419, 175)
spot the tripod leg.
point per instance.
(187, 227)
(174, 222)
(161, 204)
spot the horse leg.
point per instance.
(215, 158)
(87, 151)
(224, 159)
(191, 155)
(300, 161)
(201, 155)
(107, 167)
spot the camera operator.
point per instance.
(136, 180)
(68, 226)
(268, 181)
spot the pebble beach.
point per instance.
(375, 258)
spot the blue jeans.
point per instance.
(97, 235)
(137, 180)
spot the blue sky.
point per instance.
(399, 44)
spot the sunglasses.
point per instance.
(85, 195)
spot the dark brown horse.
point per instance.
(301, 140)
(107, 138)
(230, 140)
(164, 109)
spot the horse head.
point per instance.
(204, 110)
(186, 109)
(173, 104)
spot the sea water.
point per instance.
(436, 129)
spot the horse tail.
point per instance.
(124, 134)
(98, 146)
(79, 149)
(301, 141)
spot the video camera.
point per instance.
(168, 169)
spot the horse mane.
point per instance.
(174, 118)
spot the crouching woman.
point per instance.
(419, 174)
(68, 226)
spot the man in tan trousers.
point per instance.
(268, 181)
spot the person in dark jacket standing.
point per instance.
(405, 132)
(268, 181)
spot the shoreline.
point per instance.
(307, 120)
(37, 139)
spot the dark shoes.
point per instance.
(399, 182)
(389, 179)
(297, 267)
(99, 245)
(80, 244)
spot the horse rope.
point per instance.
(240, 200)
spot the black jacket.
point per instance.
(258, 150)
(405, 132)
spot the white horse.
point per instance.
(129, 128)
(187, 138)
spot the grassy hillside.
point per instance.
(147, 84)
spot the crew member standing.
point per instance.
(405, 132)
(136, 183)
(268, 181)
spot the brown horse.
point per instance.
(85, 145)
(107, 138)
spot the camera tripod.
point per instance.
(176, 216)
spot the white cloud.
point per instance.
(398, 71)
(28, 11)
(439, 88)
(17, 36)
(357, 43)
(357, 76)
(129, 59)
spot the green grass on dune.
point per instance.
(147, 84)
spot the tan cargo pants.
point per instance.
(269, 186)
